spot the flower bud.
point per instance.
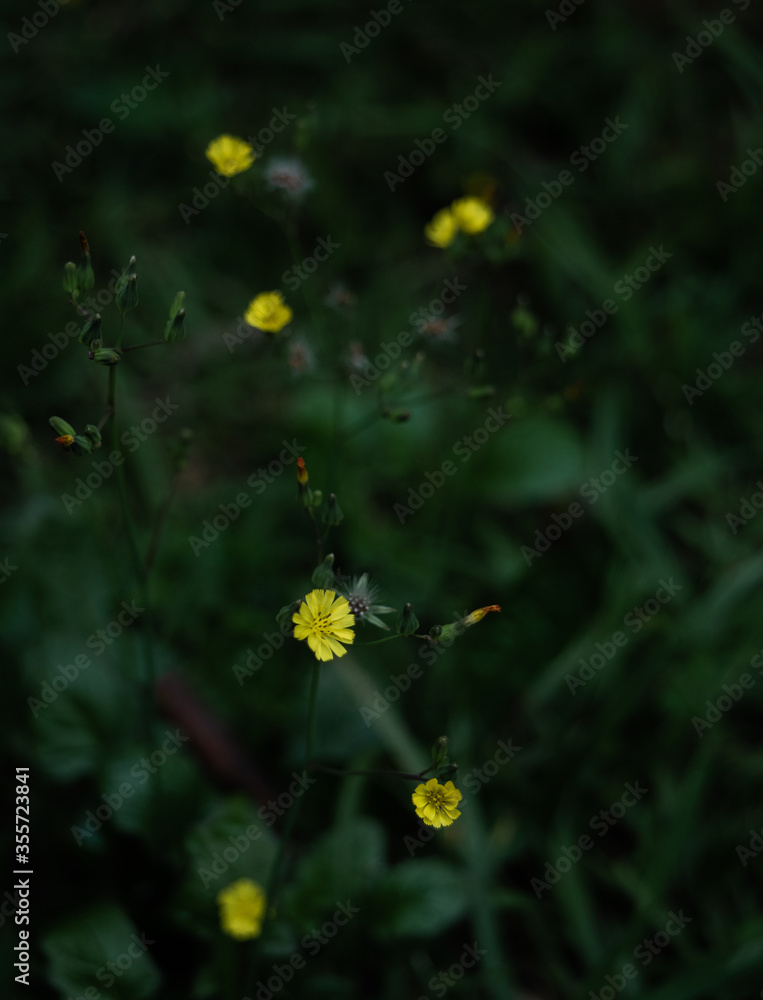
(286, 614)
(106, 356)
(440, 750)
(70, 278)
(127, 292)
(407, 622)
(85, 276)
(81, 445)
(323, 575)
(480, 392)
(301, 472)
(446, 770)
(174, 329)
(93, 434)
(91, 331)
(62, 427)
(332, 515)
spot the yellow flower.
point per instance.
(472, 215)
(436, 803)
(268, 312)
(441, 231)
(479, 614)
(325, 620)
(230, 155)
(66, 440)
(242, 909)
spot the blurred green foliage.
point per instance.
(623, 390)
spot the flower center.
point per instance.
(358, 606)
(322, 623)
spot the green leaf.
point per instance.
(343, 865)
(420, 898)
(101, 949)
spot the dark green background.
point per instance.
(665, 518)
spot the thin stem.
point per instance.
(397, 635)
(274, 880)
(387, 638)
(161, 519)
(372, 771)
(318, 539)
(137, 347)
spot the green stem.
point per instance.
(137, 347)
(274, 879)
(146, 632)
(373, 771)
(397, 635)
(161, 519)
